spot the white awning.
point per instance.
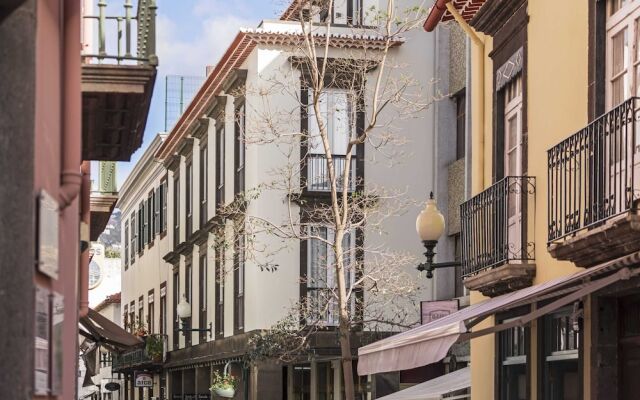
(430, 343)
(436, 388)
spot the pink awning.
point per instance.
(430, 343)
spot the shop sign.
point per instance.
(204, 396)
(176, 397)
(433, 310)
(57, 319)
(143, 379)
(41, 356)
(112, 386)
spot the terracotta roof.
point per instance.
(244, 42)
(467, 9)
(112, 299)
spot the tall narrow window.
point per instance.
(150, 218)
(560, 369)
(321, 277)
(188, 290)
(219, 295)
(512, 364)
(204, 187)
(202, 277)
(145, 223)
(141, 320)
(189, 198)
(163, 205)
(623, 51)
(461, 123)
(513, 160)
(125, 315)
(156, 211)
(163, 308)
(151, 312)
(140, 234)
(132, 315)
(134, 237)
(220, 166)
(126, 245)
(176, 210)
(238, 284)
(176, 300)
(336, 112)
(239, 150)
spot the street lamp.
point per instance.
(430, 226)
(183, 309)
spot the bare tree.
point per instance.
(352, 92)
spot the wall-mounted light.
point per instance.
(183, 309)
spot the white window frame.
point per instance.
(627, 17)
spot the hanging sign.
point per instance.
(143, 379)
(433, 310)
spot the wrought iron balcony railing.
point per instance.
(318, 173)
(594, 174)
(143, 355)
(497, 225)
(120, 31)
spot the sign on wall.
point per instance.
(48, 235)
(41, 356)
(433, 310)
(143, 379)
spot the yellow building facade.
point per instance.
(552, 115)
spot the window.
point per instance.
(176, 299)
(140, 234)
(126, 245)
(512, 364)
(321, 277)
(239, 149)
(141, 319)
(151, 313)
(204, 186)
(134, 237)
(145, 223)
(623, 53)
(461, 119)
(163, 205)
(132, 315)
(338, 114)
(176, 210)
(126, 318)
(156, 211)
(238, 284)
(202, 300)
(560, 346)
(189, 198)
(220, 166)
(188, 290)
(163, 308)
(219, 295)
(150, 217)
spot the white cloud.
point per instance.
(190, 57)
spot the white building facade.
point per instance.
(180, 237)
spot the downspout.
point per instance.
(85, 219)
(71, 178)
(477, 100)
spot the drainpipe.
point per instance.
(85, 217)
(477, 100)
(71, 179)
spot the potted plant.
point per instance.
(223, 385)
(138, 328)
(154, 347)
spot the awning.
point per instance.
(100, 330)
(436, 388)
(430, 343)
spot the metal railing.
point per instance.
(138, 356)
(497, 224)
(120, 31)
(593, 174)
(318, 173)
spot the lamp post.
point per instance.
(430, 227)
(183, 309)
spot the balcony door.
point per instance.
(513, 162)
(621, 148)
(337, 114)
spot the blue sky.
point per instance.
(190, 35)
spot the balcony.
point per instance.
(594, 188)
(117, 81)
(317, 173)
(497, 237)
(148, 355)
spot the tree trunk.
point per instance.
(344, 325)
